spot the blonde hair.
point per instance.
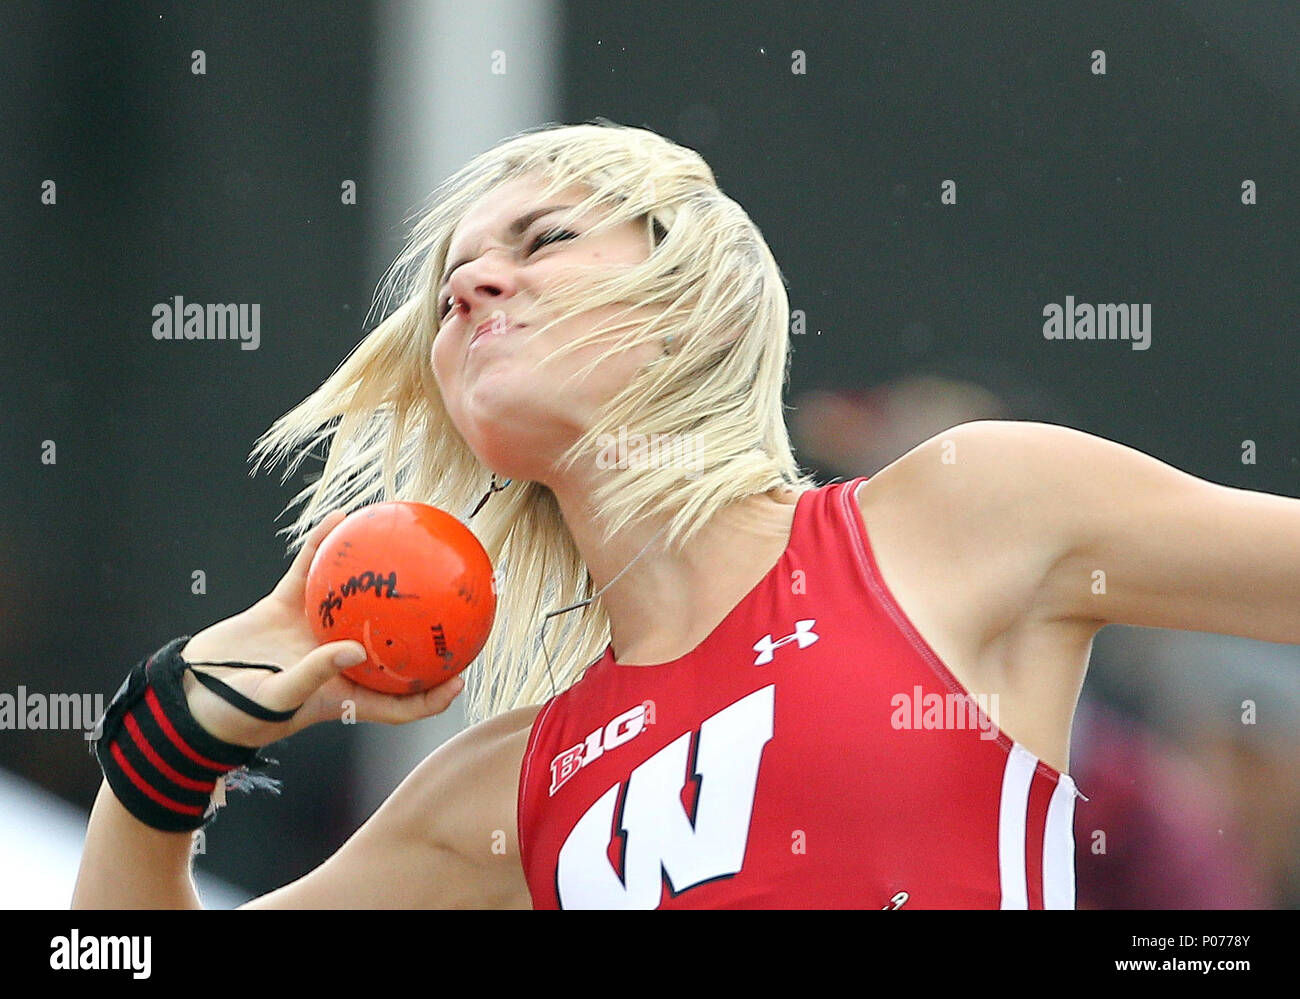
(716, 290)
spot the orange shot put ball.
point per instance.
(409, 582)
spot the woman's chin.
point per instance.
(517, 461)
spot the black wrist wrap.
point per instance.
(161, 764)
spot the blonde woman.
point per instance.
(769, 693)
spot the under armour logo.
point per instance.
(803, 634)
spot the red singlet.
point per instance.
(811, 752)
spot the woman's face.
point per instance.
(506, 395)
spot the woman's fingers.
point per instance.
(295, 685)
(294, 581)
(392, 709)
(366, 705)
(309, 677)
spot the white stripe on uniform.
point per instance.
(1013, 808)
(1058, 848)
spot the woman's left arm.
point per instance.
(1142, 543)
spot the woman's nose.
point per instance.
(489, 276)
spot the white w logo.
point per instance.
(661, 840)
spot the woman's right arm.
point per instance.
(128, 865)
(445, 838)
(432, 831)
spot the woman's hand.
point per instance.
(277, 630)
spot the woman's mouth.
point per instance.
(494, 327)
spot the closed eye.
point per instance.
(552, 236)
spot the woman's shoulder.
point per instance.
(973, 519)
(508, 723)
(982, 462)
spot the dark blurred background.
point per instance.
(835, 126)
